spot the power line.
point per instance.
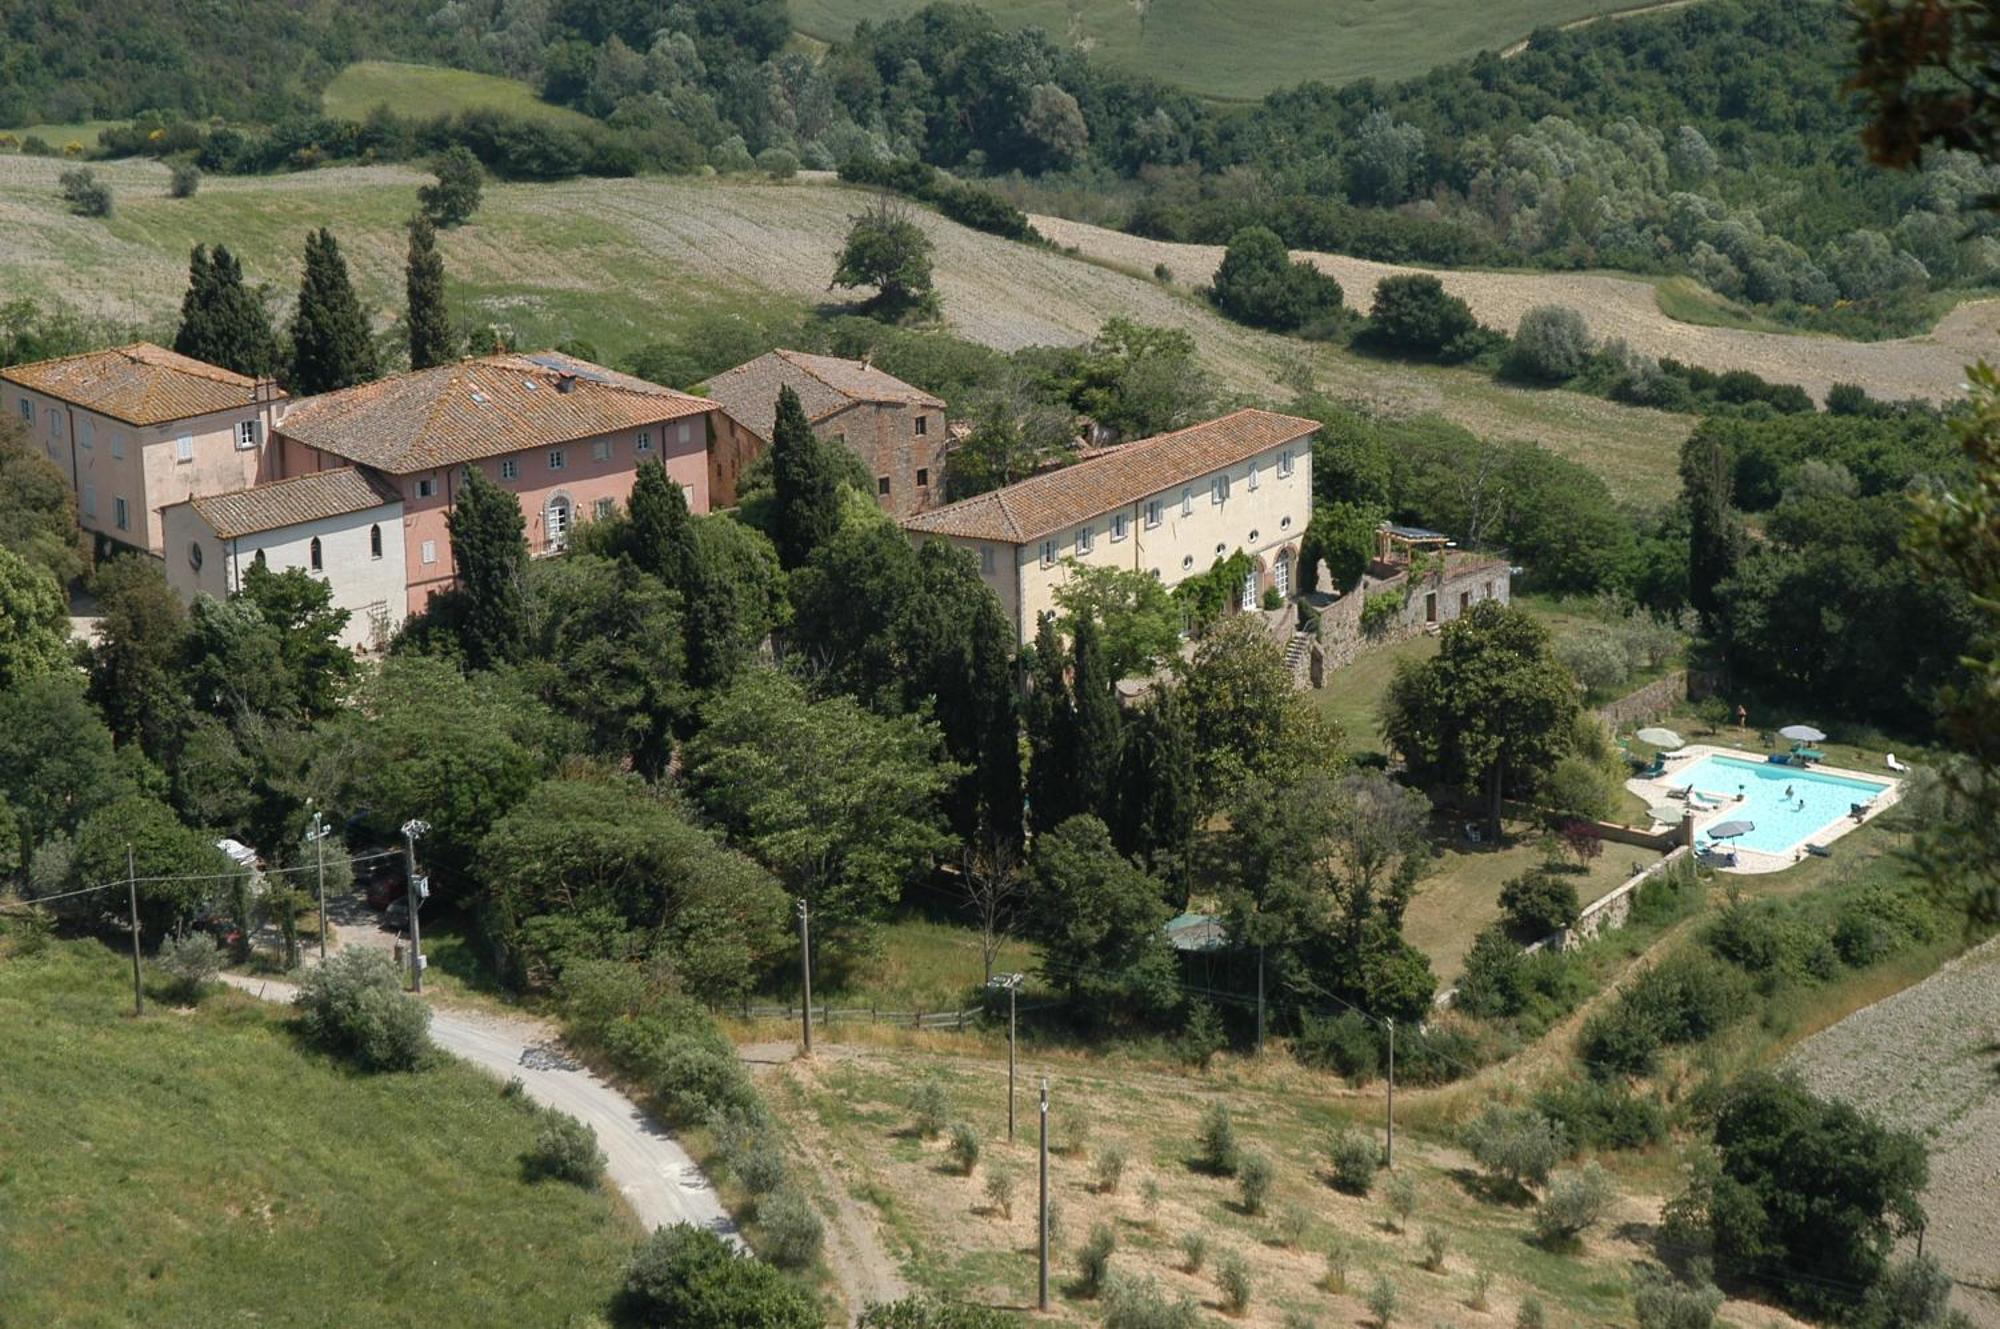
(198, 876)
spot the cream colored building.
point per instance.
(344, 527)
(1171, 505)
(139, 427)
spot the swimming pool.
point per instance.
(1772, 797)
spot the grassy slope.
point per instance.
(201, 1168)
(1246, 49)
(621, 262)
(421, 91)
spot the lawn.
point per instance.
(918, 964)
(422, 91)
(1352, 696)
(202, 1168)
(59, 137)
(1242, 51)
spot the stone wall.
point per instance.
(1437, 598)
(1659, 697)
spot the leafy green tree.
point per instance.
(331, 345)
(842, 804)
(432, 342)
(38, 509)
(223, 322)
(1100, 922)
(162, 847)
(56, 760)
(1414, 315)
(1537, 903)
(34, 621)
(455, 197)
(886, 249)
(1139, 622)
(1051, 724)
(685, 1277)
(1244, 715)
(1517, 1145)
(298, 609)
(605, 648)
(1259, 284)
(1008, 441)
(660, 529)
(1494, 704)
(807, 482)
(1552, 343)
(489, 551)
(1136, 380)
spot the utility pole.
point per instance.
(1012, 983)
(1260, 998)
(1390, 1157)
(1042, 1223)
(412, 829)
(806, 970)
(132, 897)
(318, 834)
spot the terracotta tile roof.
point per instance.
(825, 384)
(141, 384)
(304, 498)
(486, 407)
(1034, 507)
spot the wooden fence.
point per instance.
(830, 1015)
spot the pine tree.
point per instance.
(1093, 760)
(1051, 795)
(807, 480)
(431, 339)
(490, 554)
(662, 529)
(222, 321)
(331, 346)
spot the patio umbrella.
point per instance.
(1667, 814)
(1729, 830)
(1659, 738)
(1803, 733)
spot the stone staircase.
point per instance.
(1298, 654)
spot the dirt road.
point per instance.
(651, 1170)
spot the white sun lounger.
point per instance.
(1897, 766)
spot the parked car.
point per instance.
(397, 916)
(386, 881)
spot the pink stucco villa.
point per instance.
(564, 435)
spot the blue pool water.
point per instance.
(1782, 825)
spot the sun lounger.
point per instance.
(1902, 768)
(1683, 792)
(1819, 851)
(1654, 771)
(1719, 858)
(1806, 756)
(1706, 802)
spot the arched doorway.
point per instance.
(556, 522)
(1281, 573)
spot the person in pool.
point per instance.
(1788, 791)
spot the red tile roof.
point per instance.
(486, 407)
(303, 498)
(824, 383)
(1057, 499)
(141, 384)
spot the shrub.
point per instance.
(565, 1149)
(1292, 1223)
(1354, 1158)
(1482, 1287)
(1093, 1259)
(1575, 1203)
(191, 962)
(1149, 1198)
(691, 1078)
(1109, 1170)
(1074, 1128)
(1596, 1115)
(930, 1107)
(1300, 1320)
(1434, 1249)
(1413, 314)
(353, 1006)
(1531, 1315)
(1202, 1037)
(1000, 1190)
(1194, 1250)
(1382, 1302)
(1217, 1141)
(1347, 1044)
(1402, 1199)
(793, 1233)
(1253, 1175)
(1538, 903)
(1664, 1302)
(1232, 1278)
(927, 1313)
(964, 1147)
(1339, 1258)
(1552, 343)
(1518, 1145)
(1259, 284)
(688, 1275)
(186, 179)
(1055, 1223)
(86, 195)
(1138, 1303)
(778, 163)
(760, 1166)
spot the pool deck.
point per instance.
(1751, 861)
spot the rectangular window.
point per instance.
(1152, 513)
(601, 450)
(248, 432)
(644, 443)
(429, 552)
(1118, 527)
(510, 469)
(986, 560)
(55, 424)
(86, 433)
(1085, 539)
(1048, 553)
(27, 410)
(923, 477)
(184, 448)
(882, 486)
(1218, 489)
(117, 445)
(603, 508)
(1464, 601)
(923, 425)
(557, 460)
(1253, 475)
(120, 514)
(687, 496)
(1285, 464)
(684, 433)
(90, 501)
(1187, 501)
(426, 488)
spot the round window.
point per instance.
(1253, 537)
(194, 556)
(1187, 562)
(1285, 524)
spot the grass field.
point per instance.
(201, 1168)
(423, 91)
(1244, 50)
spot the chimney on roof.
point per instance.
(565, 382)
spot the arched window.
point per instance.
(1281, 574)
(314, 555)
(1250, 589)
(375, 542)
(556, 522)
(194, 556)
(259, 559)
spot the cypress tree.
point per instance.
(1155, 802)
(712, 619)
(331, 347)
(1051, 798)
(662, 529)
(996, 702)
(1715, 536)
(490, 555)
(222, 321)
(1097, 727)
(431, 340)
(807, 480)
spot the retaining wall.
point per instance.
(1650, 702)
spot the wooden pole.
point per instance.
(1389, 1156)
(132, 898)
(1042, 1224)
(806, 971)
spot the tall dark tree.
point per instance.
(661, 528)
(713, 616)
(490, 553)
(1155, 789)
(431, 339)
(806, 477)
(1051, 721)
(331, 346)
(222, 321)
(1715, 535)
(1094, 738)
(991, 688)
